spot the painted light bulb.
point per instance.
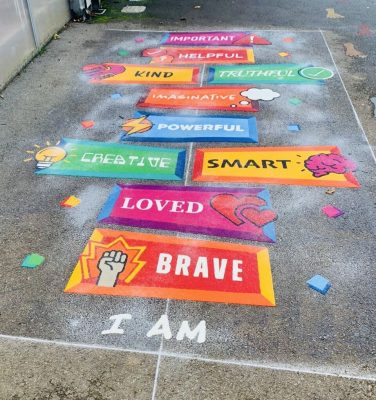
(46, 157)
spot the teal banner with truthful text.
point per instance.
(273, 73)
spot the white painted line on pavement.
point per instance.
(202, 75)
(349, 98)
(187, 172)
(76, 344)
(345, 372)
(190, 151)
(156, 376)
(339, 372)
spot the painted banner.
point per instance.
(199, 55)
(132, 264)
(273, 73)
(308, 166)
(140, 74)
(110, 160)
(213, 39)
(225, 211)
(220, 98)
(168, 128)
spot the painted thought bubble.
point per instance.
(260, 94)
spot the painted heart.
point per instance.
(154, 52)
(228, 205)
(259, 217)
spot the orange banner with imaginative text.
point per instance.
(221, 98)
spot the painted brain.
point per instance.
(324, 164)
(102, 71)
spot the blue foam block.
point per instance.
(319, 283)
(294, 128)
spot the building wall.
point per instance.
(18, 41)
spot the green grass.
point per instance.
(114, 13)
(43, 49)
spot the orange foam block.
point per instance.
(87, 124)
(70, 202)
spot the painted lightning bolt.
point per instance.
(137, 125)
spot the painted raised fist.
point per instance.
(111, 264)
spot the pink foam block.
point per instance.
(332, 212)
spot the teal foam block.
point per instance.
(295, 101)
(123, 53)
(32, 260)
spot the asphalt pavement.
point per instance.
(310, 346)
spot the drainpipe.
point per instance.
(33, 26)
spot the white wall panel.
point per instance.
(49, 16)
(16, 38)
(17, 42)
